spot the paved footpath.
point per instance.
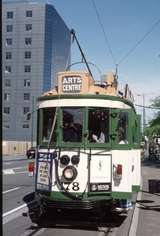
(149, 205)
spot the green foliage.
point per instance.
(154, 124)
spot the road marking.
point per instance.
(15, 213)
(10, 190)
(21, 172)
(8, 172)
(14, 210)
(20, 167)
(13, 170)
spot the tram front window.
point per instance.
(48, 116)
(72, 124)
(98, 125)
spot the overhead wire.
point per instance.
(139, 41)
(104, 33)
(149, 107)
(132, 49)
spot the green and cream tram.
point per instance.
(88, 154)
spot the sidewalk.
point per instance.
(149, 205)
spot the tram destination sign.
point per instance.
(71, 84)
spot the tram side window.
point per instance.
(48, 118)
(72, 124)
(122, 128)
(98, 125)
(135, 133)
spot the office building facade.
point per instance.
(36, 45)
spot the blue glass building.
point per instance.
(36, 45)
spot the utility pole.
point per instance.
(144, 112)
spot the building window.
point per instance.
(28, 41)
(26, 96)
(7, 83)
(27, 54)
(28, 27)
(27, 83)
(27, 69)
(26, 110)
(25, 126)
(7, 97)
(6, 110)
(8, 55)
(8, 69)
(9, 28)
(8, 42)
(28, 13)
(9, 14)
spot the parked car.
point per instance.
(31, 152)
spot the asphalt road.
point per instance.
(17, 184)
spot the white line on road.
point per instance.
(15, 213)
(21, 172)
(10, 190)
(20, 167)
(8, 172)
(12, 171)
(14, 210)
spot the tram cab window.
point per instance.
(72, 124)
(122, 128)
(98, 125)
(48, 117)
(135, 133)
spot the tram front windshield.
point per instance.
(72, 124)
(98, 125)
(48, 116)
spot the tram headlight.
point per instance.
(75, 160)
(64, 160)
(70, 173)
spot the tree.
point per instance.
(154, 124)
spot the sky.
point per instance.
(125, 23)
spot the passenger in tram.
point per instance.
(121, 136)
(100, 136)
(70, 132)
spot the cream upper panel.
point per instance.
(83, 103)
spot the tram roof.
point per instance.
(73, 84)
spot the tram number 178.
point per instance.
(71, 186)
